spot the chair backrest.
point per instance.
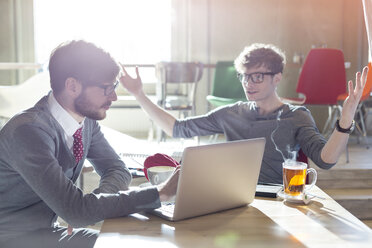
(178, 80)
(179, 72)
(368, 87)
(323, 76)
(226, 83)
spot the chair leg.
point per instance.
(213, 138)
(333, 113)
(358, 127)
(163, 136)
(325, 128)
(150, 134)
(363, 130)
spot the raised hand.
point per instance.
(133, 85)
(351, 102)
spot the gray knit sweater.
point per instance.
(293, 128)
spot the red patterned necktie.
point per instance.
(77, 147)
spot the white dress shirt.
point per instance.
(67, 122)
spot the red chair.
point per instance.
(322, 80)
(301, 157)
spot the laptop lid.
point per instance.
(219, 176)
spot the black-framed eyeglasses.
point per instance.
(256, 77)
(109, 89)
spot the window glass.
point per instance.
(134, 32)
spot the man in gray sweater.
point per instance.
(42, 152)
(286, 127)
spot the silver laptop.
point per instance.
(215, 177)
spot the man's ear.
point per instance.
(277, 78)
(73, 86)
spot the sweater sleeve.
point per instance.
(33, 150)
(309, 138)
(114, 174)
(208, 124)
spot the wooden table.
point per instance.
(264, 223)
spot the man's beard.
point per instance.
(84, 107)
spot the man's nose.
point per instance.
(113, 96)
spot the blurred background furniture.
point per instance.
(176, 87)
(16, 98)
(226, 87)
(322, 80)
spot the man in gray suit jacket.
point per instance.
(41, 157)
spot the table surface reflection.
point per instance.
(266, 222)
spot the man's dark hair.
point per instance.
(257, 55)
(83, 61)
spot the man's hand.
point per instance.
(161, 117)
(337, 142)
(69, 230)
(351, 102)
(168, 189)
(133, 85)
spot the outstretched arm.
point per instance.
(161, 117)
(337, 142)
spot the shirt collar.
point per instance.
(67, 122)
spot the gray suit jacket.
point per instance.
(38, 171)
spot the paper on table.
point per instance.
(134, 151)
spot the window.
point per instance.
(134, 32)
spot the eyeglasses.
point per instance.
(256, 77)
(109, 89)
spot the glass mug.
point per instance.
(294, 178)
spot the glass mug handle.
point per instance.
(311, 170)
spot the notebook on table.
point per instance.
(215, 177)
(268, 189)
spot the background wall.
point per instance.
(213, 30)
